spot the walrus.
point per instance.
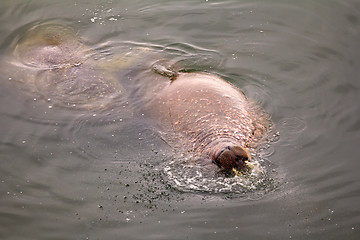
(210, 117)
(49, 59)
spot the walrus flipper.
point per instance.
(166, 71)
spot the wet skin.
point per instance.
(211, 117)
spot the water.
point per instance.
(68, 174)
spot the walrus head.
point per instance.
(231, 157)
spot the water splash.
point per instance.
(189, 175)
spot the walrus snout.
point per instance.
(232, 157)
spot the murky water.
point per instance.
(74, 173)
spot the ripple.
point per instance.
(293, 127)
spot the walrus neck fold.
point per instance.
(216, 147)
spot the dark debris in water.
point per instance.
(129, 190)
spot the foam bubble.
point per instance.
(189, 175)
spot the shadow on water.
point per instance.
(68, 173)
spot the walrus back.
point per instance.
(204, 109)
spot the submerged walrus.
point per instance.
(50, 60)
(211, 118)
